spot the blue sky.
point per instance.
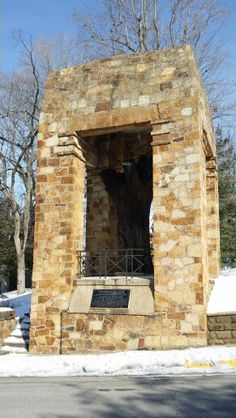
(46, 17)
(36, 18)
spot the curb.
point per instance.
(198, 365)
(231, 363)
(208, 365)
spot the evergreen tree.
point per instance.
(227, 196)
(7, 249)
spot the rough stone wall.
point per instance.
(221, 329)
(119, 91)
(179, 205)
(101, 225)
(83, 333)
(160, 91)
(58, 235)
(111, 150)
(7, 323)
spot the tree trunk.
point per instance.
(20, 273)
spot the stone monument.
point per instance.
(116, 135)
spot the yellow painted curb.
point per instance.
(198, 365)
(231, 363)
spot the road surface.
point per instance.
(119, 397)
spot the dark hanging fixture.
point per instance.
(128, 162)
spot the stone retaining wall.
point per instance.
(7, 323)
(222, 329)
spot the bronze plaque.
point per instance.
(110, 298)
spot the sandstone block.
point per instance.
(153, 342)
(95, 325)
(80, 325)
(194, 250)
(186, 111)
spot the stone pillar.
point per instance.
(213, 235)
(58, 236)
(180, 247)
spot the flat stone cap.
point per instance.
(7, 313)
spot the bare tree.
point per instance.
(59, 51)
(130, 26)
(20, 101)
(19, 110)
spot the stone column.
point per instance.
(58, 236)
(180, 247)
(213, 235)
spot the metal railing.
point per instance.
(106, 263)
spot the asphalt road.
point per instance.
(116, 397)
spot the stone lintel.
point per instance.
(131, 128)
(162, 121)
(114, 118)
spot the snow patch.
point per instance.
(4, 309)
(222, 299)
(132, 363)
(20, 303)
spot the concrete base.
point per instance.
(140, 301)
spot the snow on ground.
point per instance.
(207, 360)
(20, 303)
(222, 299)
(13, 294)
(4, 309)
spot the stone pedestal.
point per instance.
(140, 295)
